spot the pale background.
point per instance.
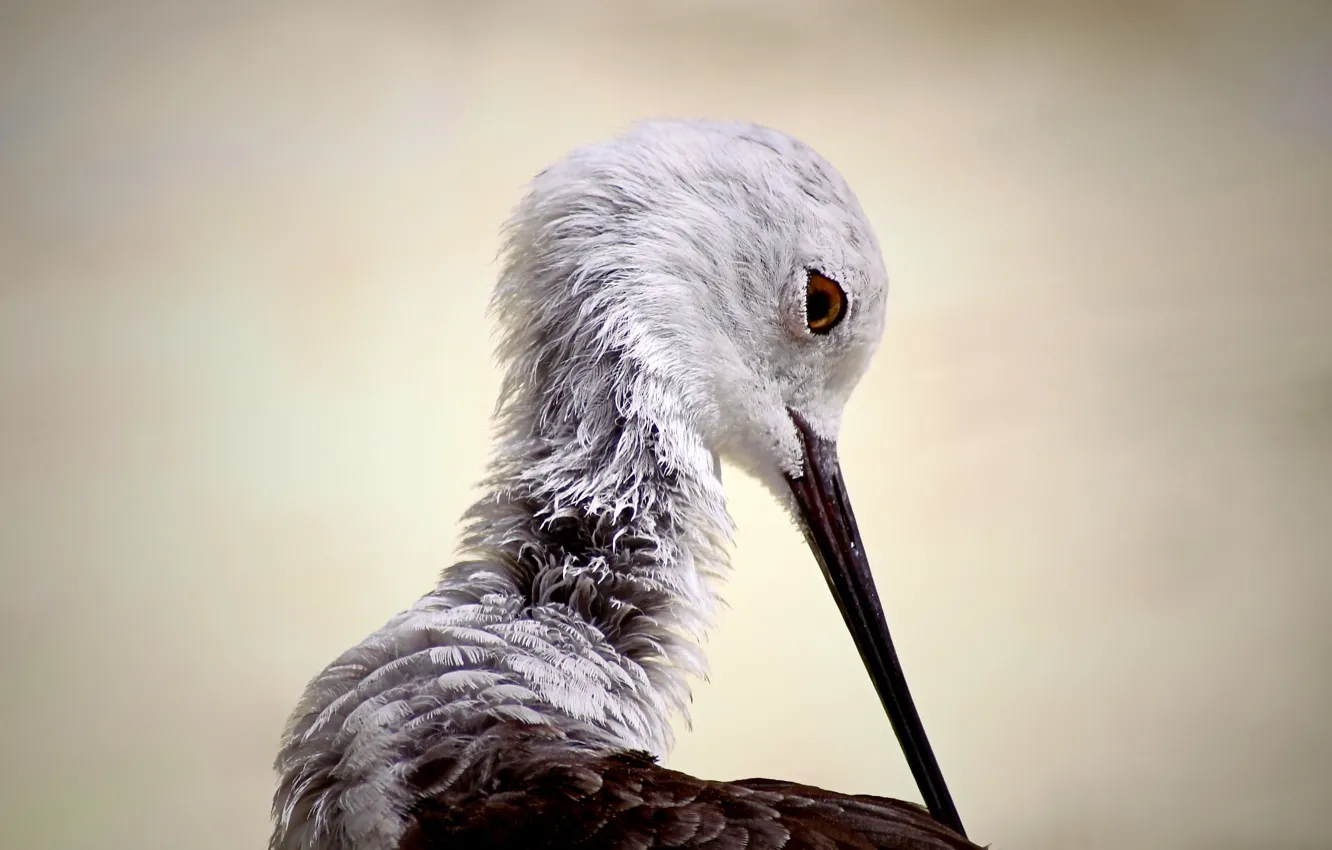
(245, 250)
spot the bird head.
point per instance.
(730, 263)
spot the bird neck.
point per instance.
(607, 505)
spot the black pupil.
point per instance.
(818, 304)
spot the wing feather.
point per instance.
(568, 799)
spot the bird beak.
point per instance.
(830, 528)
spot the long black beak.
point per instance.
(830, 528)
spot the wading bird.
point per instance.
(686, 292)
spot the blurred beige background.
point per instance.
(245, 250)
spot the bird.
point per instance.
(685, 292)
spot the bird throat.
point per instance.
(618, 519)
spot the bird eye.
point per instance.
(825, 302)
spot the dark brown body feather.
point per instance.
(556, 797)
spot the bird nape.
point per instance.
(686, 292)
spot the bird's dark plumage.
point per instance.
(544, 795)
